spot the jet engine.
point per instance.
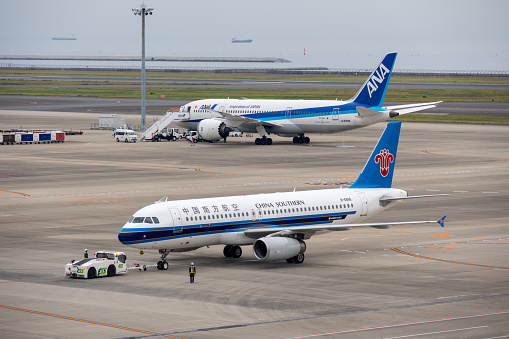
(212, 129)
(278, 248)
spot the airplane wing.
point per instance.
(309, 230)
(410, 108)
(237, 120)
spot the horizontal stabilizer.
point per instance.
(366, 112)
(410, 108)
(386, 199)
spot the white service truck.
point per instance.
(104, 264)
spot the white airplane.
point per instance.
(276, 224)
(215, 118)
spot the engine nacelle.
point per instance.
(278, 248)
(212, 129)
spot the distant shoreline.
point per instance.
(137, 58)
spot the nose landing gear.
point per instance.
(163, 264)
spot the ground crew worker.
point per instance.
(192, 272)
(85, 255)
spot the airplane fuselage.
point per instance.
(189, 224)
(289, 117)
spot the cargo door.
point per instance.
(177, 220)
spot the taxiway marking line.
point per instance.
(446, 331)
(443, 260)
(87, 321)
(26, 195)
(398, 325)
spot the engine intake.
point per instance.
(278, 248)
(212, 129)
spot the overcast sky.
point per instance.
(482, 27)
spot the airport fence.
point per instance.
(257, 70)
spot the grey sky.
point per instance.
(417, 26)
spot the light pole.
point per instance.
(143, 11)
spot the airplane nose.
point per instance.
(124, 236)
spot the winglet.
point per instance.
(441, 221)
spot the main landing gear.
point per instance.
(232, 251)
(298, 259)
(301, 139)
(263, 141)
(163, 264)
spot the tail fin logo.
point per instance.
(384, 158)
(377, 77)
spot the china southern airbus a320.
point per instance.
(275, 224)
(214, 119)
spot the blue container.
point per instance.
(27, 137)
(44, 136)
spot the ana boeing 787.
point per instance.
(214, 119)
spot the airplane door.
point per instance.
(177, 220)
(256, 215)
(335, 114)
(288, 113)
(364, 204)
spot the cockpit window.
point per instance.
(156, 221)
(148, 220)
(138, 220)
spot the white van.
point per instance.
(125, 135)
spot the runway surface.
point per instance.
(160, 106)
(407, 281)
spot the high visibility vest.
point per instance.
(192, 270)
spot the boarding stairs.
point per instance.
(159, 125)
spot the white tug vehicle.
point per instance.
(104, 264)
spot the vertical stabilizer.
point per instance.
(378, 171)
(372, 93)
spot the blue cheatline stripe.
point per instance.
(130, 236)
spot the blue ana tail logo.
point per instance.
(379, 169)
(377, 78)
(372, 93)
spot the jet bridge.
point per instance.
(161, 124)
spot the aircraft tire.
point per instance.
(306, 140)
(295, 140)
(269, 141)
(257, 141)
(299, 258)
(236, 251)
(227, 251)
(164, 266)
(159, 264)
(301, 140)
(290, 260)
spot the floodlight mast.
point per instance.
(143, 11)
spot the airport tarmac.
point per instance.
(406, 281)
